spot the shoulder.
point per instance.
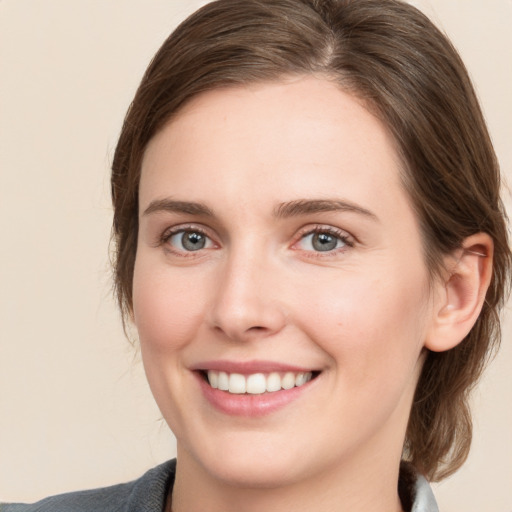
(146, 494)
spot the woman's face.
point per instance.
(277, 248)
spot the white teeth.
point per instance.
(288, 381)
(237, 384)
(213, 379)
(300, 379)
(273, 382)
(256, 383)
(223, 381)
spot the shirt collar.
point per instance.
(424, 500)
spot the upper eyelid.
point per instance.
(172, 230)
(324, 228)
(311, 228)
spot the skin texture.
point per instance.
(360, 314)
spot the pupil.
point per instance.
(193, 241)
(324, 242)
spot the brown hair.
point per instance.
(408, 74)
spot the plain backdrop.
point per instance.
(75, 411)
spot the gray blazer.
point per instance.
(147, 494)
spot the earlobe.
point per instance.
(461, 295)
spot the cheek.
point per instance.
(167, 309)
(167, 313)
(371, 326)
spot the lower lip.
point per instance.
(250, 405)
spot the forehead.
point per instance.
(301, 134)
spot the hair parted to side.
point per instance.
(391, 56)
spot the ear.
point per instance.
(460, 295)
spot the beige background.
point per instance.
(75, 411)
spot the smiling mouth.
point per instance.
(256, 383)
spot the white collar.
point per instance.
(424, 500)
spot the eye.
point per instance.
(323, 240)
(189, 240)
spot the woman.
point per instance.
(311, 244)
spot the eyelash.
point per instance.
(176, 230)
(340, 235)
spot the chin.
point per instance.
(255, 466)
(255, 474)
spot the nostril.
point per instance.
(242, 321)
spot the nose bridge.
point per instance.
(246, 303)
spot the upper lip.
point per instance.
(248, 367)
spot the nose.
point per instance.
(246, 304)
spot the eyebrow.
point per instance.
(307, 206)
(170, 205)
(284, 210)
